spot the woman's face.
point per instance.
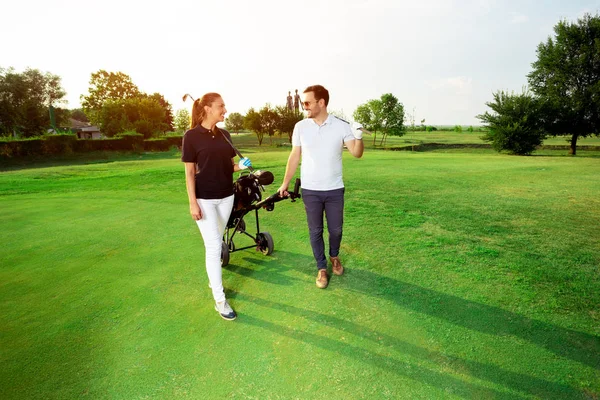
(216, 111)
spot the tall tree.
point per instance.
(566, 77)
(252, 123)
(25, 99)
(182, 120)
(269, 121)
(286, 120)
(106, 86)
(79, 115)
(369, 116)
(262, 122)
(234, 122)
(392, 116)
(160, 99)
(385, 115)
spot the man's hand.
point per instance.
(283, 190)
(195, 211)
(357, 130)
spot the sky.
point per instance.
(443, 60)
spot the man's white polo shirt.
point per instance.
(322, 148)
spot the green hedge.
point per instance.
(69, 143)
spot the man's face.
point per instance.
(311, 106)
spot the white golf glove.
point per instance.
(244, 163)
(357, 130)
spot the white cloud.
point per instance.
(517, 18)
(459, 85)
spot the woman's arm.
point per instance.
(190, 184)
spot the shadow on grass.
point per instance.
(577, 346)
(413, 371)
(574, 345)
(491, 373)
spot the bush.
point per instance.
(515, 125)
(431, 128)
(163, 144)
(132, 141)
(457, 128)
(68, 144)
(59, 144)
(22, 147)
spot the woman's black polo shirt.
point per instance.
(212, 155)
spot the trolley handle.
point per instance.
(296, 193)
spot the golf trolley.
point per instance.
(248, 198)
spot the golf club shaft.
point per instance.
(236, 151)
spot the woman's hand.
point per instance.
(195, 211)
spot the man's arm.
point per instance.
(356, 147)
(290, 170)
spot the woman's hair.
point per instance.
(198, 112)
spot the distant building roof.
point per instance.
(91, 128)
(74, 123)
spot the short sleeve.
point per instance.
(188, 154)
(348, 135)
(296, 137)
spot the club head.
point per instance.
(264, 177)
(185, 96)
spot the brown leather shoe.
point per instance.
(322, 279)
(337, 265)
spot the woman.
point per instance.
(209, 165)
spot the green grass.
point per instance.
(469, 275)
(249, 140)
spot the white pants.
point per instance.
(215, 214)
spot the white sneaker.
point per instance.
(225, 310)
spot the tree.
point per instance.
(234, 122)
(264, 122)
(269, 121)
(392, 116)
(182, 120)
(515, 125)
(143, 115)
(25, 99)
(369, 116)
(252, 123)
(566, 77)
(385, 115)
(286, 120)
(166, 106)
(106, 86)
(79, 115)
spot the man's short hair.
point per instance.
(320, 93)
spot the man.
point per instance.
(297, 102)
(288, 103)
(319, 141)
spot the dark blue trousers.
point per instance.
(331, 202)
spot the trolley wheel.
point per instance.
(265, 243)
(242, 226)
(224, 254)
